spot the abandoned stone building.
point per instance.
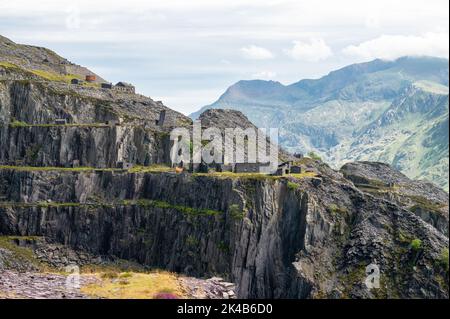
(107, 85)
(296, 169)
(284, 168)
(76, 81)
(124, 87)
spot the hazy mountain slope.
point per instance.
(389, 111)
(412, 134)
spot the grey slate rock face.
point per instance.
(288, 244)
(425, 199)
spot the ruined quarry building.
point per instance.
(107, 86)
(76, 81)
(296, 169)
(124, 87)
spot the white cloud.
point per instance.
(394, 46)
(313, 50)
(264, 75)
(254, 52)
(196, 44)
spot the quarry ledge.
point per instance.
(144, 203)
(156, 169)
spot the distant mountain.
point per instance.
(391, 111)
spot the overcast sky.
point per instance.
(187, 52)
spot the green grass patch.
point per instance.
(150, 169)
(57, 77)
(303, 175)
(292, 186)
(8, 65)
(416, 244)
(16, 123)
(147, 203)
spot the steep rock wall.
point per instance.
(254, 248)
(272, 240)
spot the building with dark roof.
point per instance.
(124, 87)
(107, 85)
(76, 81)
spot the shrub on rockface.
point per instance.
(292, 186)
(443, 259)
(416, 244)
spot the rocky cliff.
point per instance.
(308, 235)
(270, 238)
